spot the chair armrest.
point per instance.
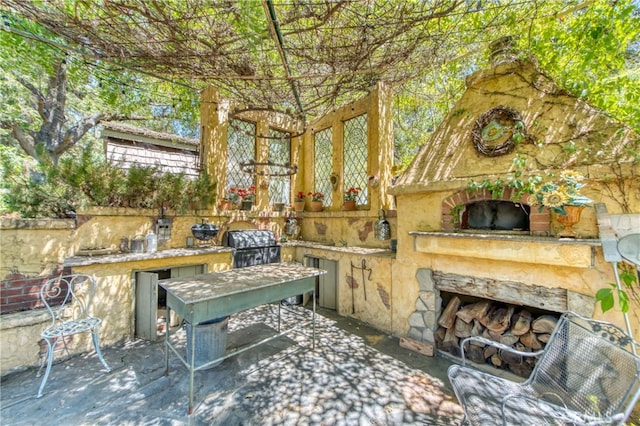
(498, 345)
(519, 406)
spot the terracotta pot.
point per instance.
(298, 205)
(568, 220)
(226, 205)
(316, 206)
(349, 205)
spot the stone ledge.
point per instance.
(24, 319)
(574, 253)
(37, 223)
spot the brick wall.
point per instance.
(539, 221)
(20, 292)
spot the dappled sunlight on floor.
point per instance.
(344, 381)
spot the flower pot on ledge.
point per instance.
(349, 205)
(247, 205)
(569, 220)
(298, 205)
(226, 205)
(316, 206)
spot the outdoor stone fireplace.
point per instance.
(449, 297)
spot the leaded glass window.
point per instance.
(279, 153)
(323, 164)
(241, 148)
(356, 153)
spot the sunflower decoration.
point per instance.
(563, 192)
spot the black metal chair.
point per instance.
(68, 299)
(587, 374)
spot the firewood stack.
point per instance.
(515, 327)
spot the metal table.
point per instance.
(629, 248)
(204, 297)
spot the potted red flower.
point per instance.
(316, 201)
(298, 201)
(248, 196)
(351, 197)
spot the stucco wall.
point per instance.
(562, 133)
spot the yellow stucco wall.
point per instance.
(562, 133)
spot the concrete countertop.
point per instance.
(195, 251)
(505, 236)
(134, 257)
(364, 251)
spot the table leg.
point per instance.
(167, 330)
(192, 363)
(279, 307)
(313, 322)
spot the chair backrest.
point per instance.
(589, 366)
(68, 297)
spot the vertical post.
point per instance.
(192, 363)
(166, 341)
(313, 322)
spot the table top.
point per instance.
(629, 248)
(217, 285)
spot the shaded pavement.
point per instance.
(355, 376)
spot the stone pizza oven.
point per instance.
(468, 243)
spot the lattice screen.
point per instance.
(356, 154)
(279, 153)
(241, 147)
(323, 164)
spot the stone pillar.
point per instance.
(380, 134)
(423, 321)
(214, 120)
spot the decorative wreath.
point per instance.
(497, 131)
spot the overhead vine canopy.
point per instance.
(303, 56)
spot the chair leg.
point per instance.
(49, 363)
(96, 345)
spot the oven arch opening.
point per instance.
(496, 215)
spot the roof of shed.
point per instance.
(114, 129)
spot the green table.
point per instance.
(204, 297)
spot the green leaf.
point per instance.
(623, 300)
(605, 297)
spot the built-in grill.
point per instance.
(255, 247)
(252, 247)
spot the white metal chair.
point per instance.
(588, 374)
(68, 298)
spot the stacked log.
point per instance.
(507, 324)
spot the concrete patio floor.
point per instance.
(355, 376)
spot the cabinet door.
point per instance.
(187, 271)
(146, 305)
(328, 284)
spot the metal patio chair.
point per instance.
(68, 298)
(588, 374)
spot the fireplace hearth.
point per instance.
(451, 307)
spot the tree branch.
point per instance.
(26, 141)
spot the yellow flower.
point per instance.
(555, 199)
(570, 176)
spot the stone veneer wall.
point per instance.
(424, 320)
